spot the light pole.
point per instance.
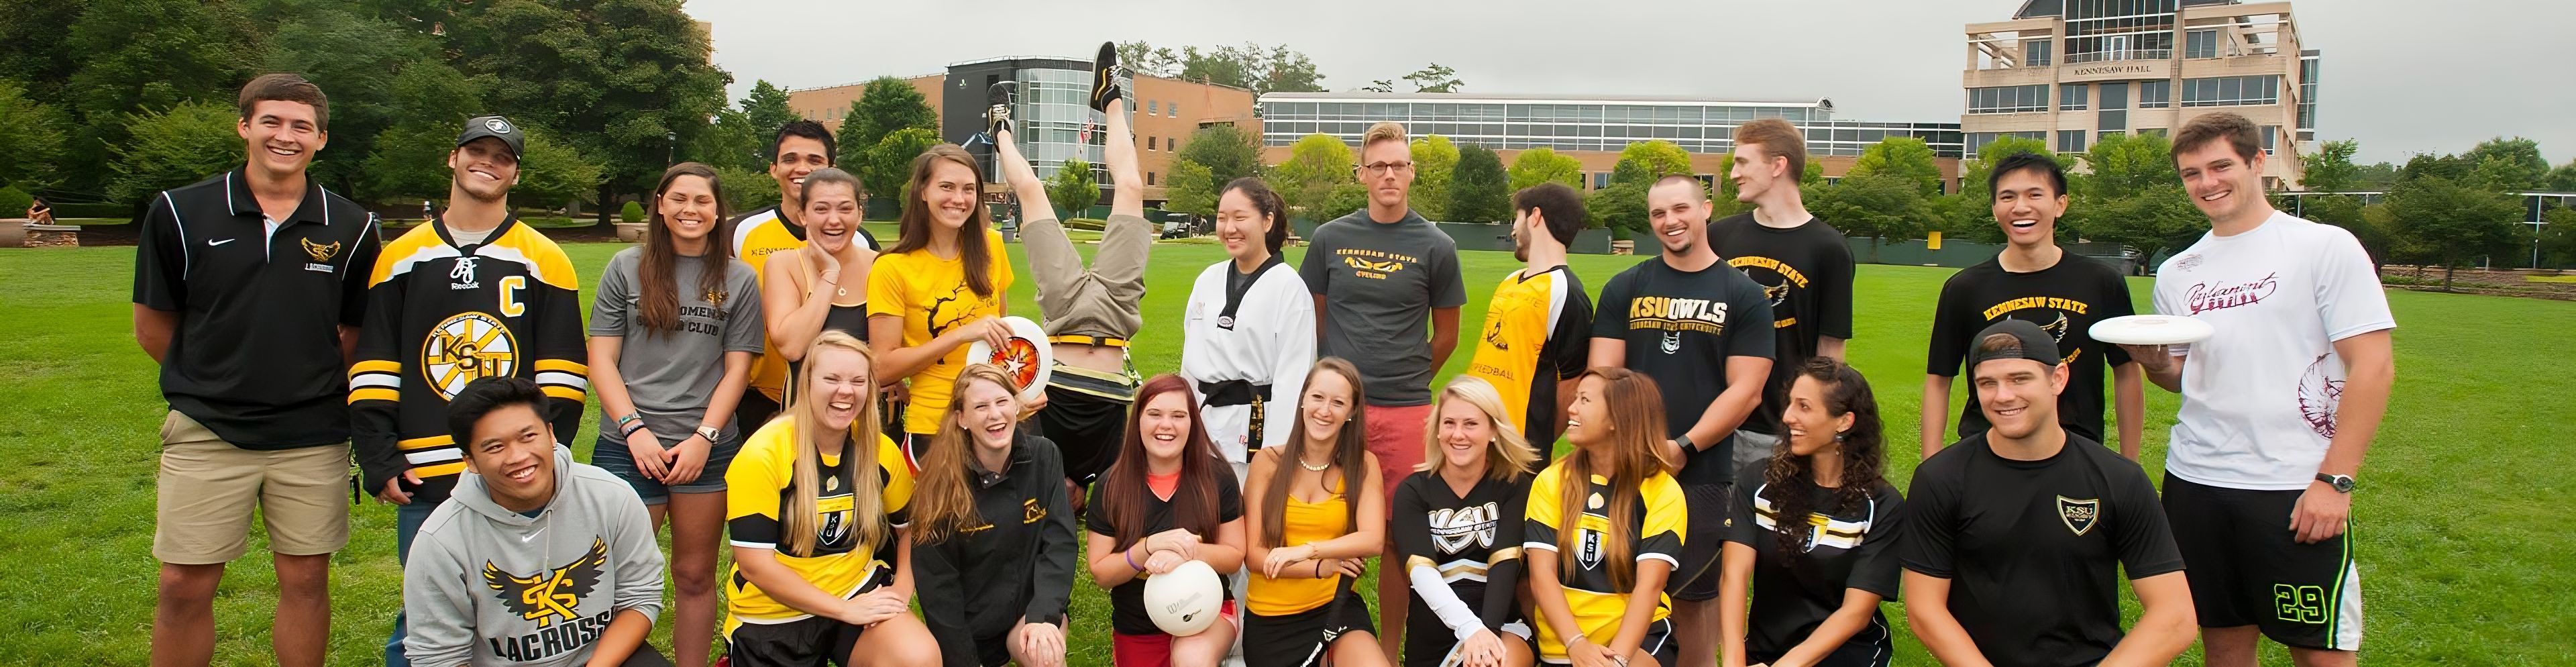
(670, 147)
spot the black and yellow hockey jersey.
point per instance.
(440, 315)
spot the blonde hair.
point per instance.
(943, 493)
(802, 531)
(1508, 455)
(1385, 130)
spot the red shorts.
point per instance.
(1155, 650)
(1395, 436)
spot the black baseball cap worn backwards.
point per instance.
(2035, 345)
(495, 127)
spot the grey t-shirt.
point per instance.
(1380, 282)
(670, 374)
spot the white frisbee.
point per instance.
(1026, 357)
(2151, 330)
(1185, 601)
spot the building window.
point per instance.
(2157, 131)
(2232, 91)
(2200, 44)
(2070, 141)
(1149, 178)
(1600, 179)
(2106, 134)
(2037, 52)
(2070, 96)
(2155, 93)
(1153, 107)
(1173, 109)
(2008, 99)
(1149, 143)
(2271, 133)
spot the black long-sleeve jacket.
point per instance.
(978, 583)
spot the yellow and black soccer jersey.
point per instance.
(756, 236)
(1537, 332)
(440, 315)
(1596, 603)
(842, 562)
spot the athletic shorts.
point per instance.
(1702, 541)
(1155, 650)
(2247, 569)
(807, 642)
(1395, 436)
(1086, 416)
(209, 488)
(611, 455)
(1426, 646)
(1658, 643)
(1288, 640)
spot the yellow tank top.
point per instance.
(1302, 522)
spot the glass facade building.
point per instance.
(1578, 124)
(1052, 110)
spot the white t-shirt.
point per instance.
(2259, 397)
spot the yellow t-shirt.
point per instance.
(1537, 332)
(1598, 605)
(931, 295)
(755, 237)
(1302, 522)
(761, 480)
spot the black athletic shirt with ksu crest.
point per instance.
(1679, 327)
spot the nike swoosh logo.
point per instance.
(212, 242)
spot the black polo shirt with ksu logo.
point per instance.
(2033, 549)
(256, 355)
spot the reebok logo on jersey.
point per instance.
(463, 274)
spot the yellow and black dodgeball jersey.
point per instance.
(756, 236)
(440, 315)
(762, 480)
(1537, 332)
(1598, 605)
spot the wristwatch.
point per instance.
(708, 432)
(2341, 483)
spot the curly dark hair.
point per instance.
(1863, 449)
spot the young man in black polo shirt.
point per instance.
(800, 147)
(473, 293)
(248, 290)
(2034, 280)
(2015, 537)
(1800, 262)
(1703, 332)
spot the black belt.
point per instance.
(1232, 392)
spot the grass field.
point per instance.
(2466, 560)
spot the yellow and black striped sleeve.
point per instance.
(376, 379)
(1661, 534)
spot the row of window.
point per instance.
(1481, 112)
(1844, 141)
(2152, 94)
(1158, 108)
(2232, 91)
(2008, 99)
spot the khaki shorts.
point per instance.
(210, 487)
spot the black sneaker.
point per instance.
(997, 116)
(1105, 74)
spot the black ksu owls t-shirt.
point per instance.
(1679, 327)
(2064, 299)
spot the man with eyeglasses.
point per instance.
(1379, 275)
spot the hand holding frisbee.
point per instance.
(2151, 330)
(1024, 355)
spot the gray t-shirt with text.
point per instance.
(670, 374)
(1380, 282)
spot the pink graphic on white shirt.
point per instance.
(2205, 297)
(2318, 397)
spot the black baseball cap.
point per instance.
(2035, 345)
(495, 127)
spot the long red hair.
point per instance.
(1122, 489)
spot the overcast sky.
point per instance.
(2403, 76)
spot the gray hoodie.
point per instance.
(491, 586)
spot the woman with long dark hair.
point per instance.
(992, 531)
(1319, 513)
(673, 330)
(815, 503)
(1458, 525)
(1817, 576)
(938, 289)
(1605, 530)
(1248, 336)
(1166, 500)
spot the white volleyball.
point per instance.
(1185, 601)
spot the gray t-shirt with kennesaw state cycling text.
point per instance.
(1380, 282)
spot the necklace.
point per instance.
(1327, 465)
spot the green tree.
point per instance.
(619, 80)
(885, 105)
(1074, 189)
(1907, 158)
(410, 162)
(2439, 221)
(2330, 169)
(1434, 161)
(138, 54)
(2558, 236)
(2125, 164)
(766, 107)
(1316, 165)
(886, 167)
(32, 47)
(31, 138)
(1260, 69)
(2154, 220)
(1541, 165)
(1147, 59)
(746, 189)
(1878, 205)
(1621, 208)
(172, 148)
(1434, 78)
(1190, 188)
(553, 173)
(1379, 86)
(2519, 165)
(356, 60)
(1974, 171)
(1343, 199)
(2346, 211)
(2422, 165)
(1226, 151)
(2562, 179)
(1479, 191)
(2375, 176)
(1659, 157)
(739, 137)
